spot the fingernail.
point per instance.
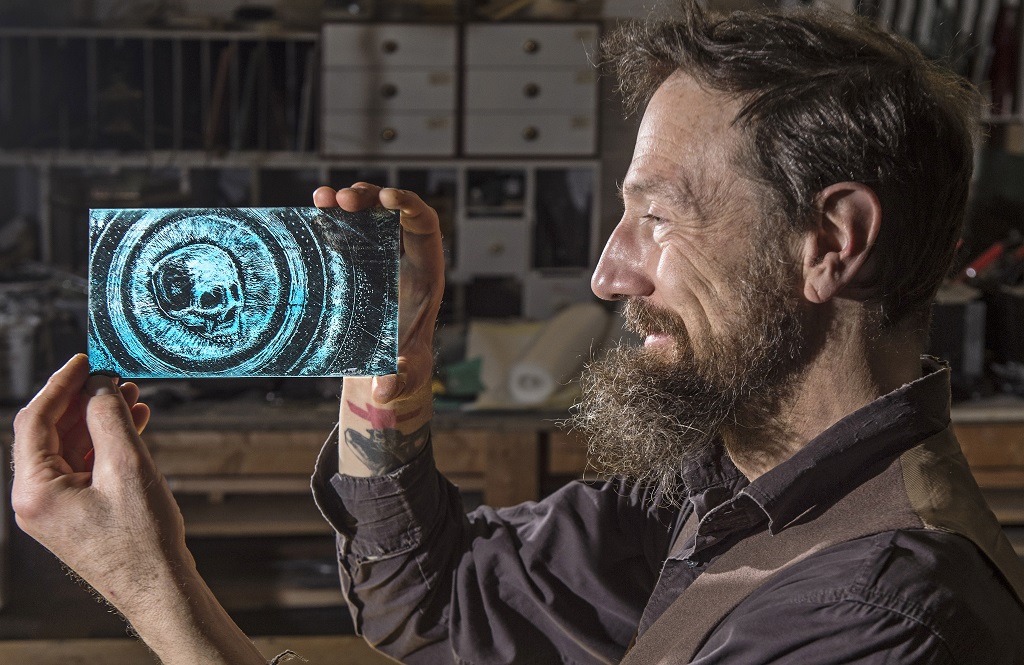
(100, 384)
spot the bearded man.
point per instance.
(788, 488)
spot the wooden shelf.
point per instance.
(252, 515)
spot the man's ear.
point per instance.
(846, 223)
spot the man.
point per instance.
(790, 488)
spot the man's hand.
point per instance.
(103, 518)
(421, 283)
(86, 487)
(384, 421)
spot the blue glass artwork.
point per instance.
(217, 292)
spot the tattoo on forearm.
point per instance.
(383, 447)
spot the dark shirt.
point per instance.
(575, 577)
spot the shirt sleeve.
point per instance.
(562, 580)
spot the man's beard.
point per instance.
(648, 413)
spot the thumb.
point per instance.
(115, 440)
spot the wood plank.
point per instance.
(513, 468)
(240, 484)
(318, 650)
(224, 452)
(460, 451)
(988, 445)
(999, 478)
(249, 515)
(567, 454)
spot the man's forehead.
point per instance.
(686, 136)
(684, 102)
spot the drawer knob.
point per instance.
(531, 46)
(496, 248)
(531, 133)
(389, 46)
(388, 134)
(531, 90)
(388, 90)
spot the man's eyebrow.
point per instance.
(677, 193)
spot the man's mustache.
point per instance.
(644, 318)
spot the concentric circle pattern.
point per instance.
(238, 292)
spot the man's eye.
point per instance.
(651, 219)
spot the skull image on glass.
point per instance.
(200, 286)
(243, 292)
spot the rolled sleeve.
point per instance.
(389, 512)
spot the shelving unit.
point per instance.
(147, 118)
(134, 90)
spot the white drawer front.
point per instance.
(531, 45)
(526, 89)
(412, 134)
(397, 90)
(388, 45)
(529, 134)
(492, 247)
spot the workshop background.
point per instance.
(494, 112)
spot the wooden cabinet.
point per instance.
(995, 451)
(389, 90)
(530, 89)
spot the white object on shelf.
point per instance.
(557, 354)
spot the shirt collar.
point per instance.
(854, 449)
(827, 468)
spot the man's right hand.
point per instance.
(113, 520)
(383, 422)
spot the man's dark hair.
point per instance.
(827, 98)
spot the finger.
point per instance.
(72, 416)
(112, 428)
(35, 426)
(359, 196)
(416, 216)
(325, 197)
(140, 416)
(409, 379)
(388, 388)
(130, 392)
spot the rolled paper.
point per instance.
(558, 352)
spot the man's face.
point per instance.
(710, 285)
(688, 221)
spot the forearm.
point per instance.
(376, 438)
(177, 616)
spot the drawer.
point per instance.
(528, 89)
(529, 134)
(492, 247)
(392, 89)
(412, 134)
(520, 45)
(388, 45)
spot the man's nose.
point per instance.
(621, 270)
